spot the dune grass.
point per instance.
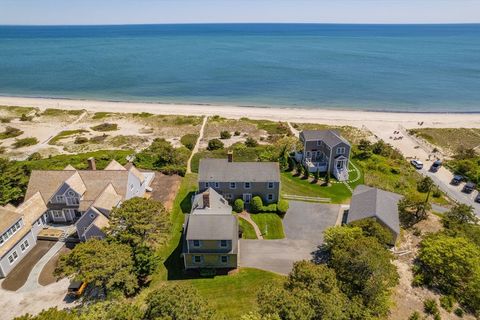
(10, 132)
(25, 142)
(65, 134)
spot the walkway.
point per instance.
(197, 145)
(32, 280)
(246, 216)
(295, 132)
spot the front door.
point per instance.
(341, 164)
(247, 197)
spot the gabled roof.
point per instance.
(217, 204)
(212, 227)
(220, 170)
(107, 199)
(32, 209)
(370, 202)
(330, 137)
(137, 174)
(69, 167)
(101, 221)
(114, 165)
(8, 217)
(75, 182)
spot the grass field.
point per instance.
(449, 139)
(234, 295)
(248, 231)
(270, 225)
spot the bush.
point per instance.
(270, 208)
(447, 302)
(256, 204)
(80, 140)
(430, 306)
(10, 132)
(458, 312)
(189, 140)
(415, 316)
(25, 142)
(251, 143)
(5, 120)
(225, 135)
(436, 193)
(105, 127)
(238, 205)
(282, 206)
(215, 144)
(25, 118)
(236, 133)
(34, 156)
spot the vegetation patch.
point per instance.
(16, 111)
(10, 132)
(100, 115)
(52, 112)
(270, 225)
(248, 232)
(105, 127)
(65, 134)
(162, 156)
(449, 139)
(25, 142)
(189, 140)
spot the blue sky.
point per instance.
(189, 11)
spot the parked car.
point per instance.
(417, 164)
(435, 166)
(477, 198)
(76, 289)
(457, 179)
(469, 187)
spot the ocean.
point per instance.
(422, 68)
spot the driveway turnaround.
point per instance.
(304, 224)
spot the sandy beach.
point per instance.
(370, 119)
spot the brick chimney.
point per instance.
(91, 163)
(230, 156)
(206, 199)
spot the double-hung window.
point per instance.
(270, 185)
(197, 259)
(340, 150)
(196, 243)
(223, 243)
(270, 196)
(233, 185)
(224, 259)
(247, 185)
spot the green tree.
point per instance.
(145, 262)
(214, 144)
(140, 222)
(327, 178)
(50, 314)
(338, 235)
(107, 265)
(225, 135)
(460, 214)
(256, 204)
(161, 155)
(13, 181)
(412, 210)
(299, 168)
(425, 186)
(120, 309)
(306, 172)
(371, 228)
(282, 206)
(283, 158)
(251, 142)
(177, 302)
(364, 145)
(238, 205)
(316, 175)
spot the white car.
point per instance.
(417, 164)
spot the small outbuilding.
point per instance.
(368, 202)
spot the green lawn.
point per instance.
(234, 295)
(248, 231)
(270, 225)
(337, 192)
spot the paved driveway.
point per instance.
(304, 224)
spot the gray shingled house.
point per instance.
(325, 150)
(368, 202)
(210, 233)
(243, 180)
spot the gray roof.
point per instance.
(329, 137)
(370, 202)
(218, 205)
(212, 227)
(220, 170)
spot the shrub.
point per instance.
(25, 142)
(24, 117)
(189, 140)
(105, 127)
(251, 143)
(437, 193)
(236, 133)
(430, 306)
(98, 139)
(5, 120)
(34, 156)
(282, 206)
(256, 204)
(238, 205)
(447, 302)
(415, 316)
(215, 144)
(458, 312)
(270, 208)
(80, 140)
(225, 135)
(10, 132)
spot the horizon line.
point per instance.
(246, 23)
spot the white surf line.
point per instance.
(197, 145)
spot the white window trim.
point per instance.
(217, 185)
(226, 244)
(26, 244)
(268, 185)
(199, 244)
(221, 258)
(72, 201)
(195, 259)
(270, 196)
(341, 150)
(249, 185)
(234, 185)
(10, 232)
